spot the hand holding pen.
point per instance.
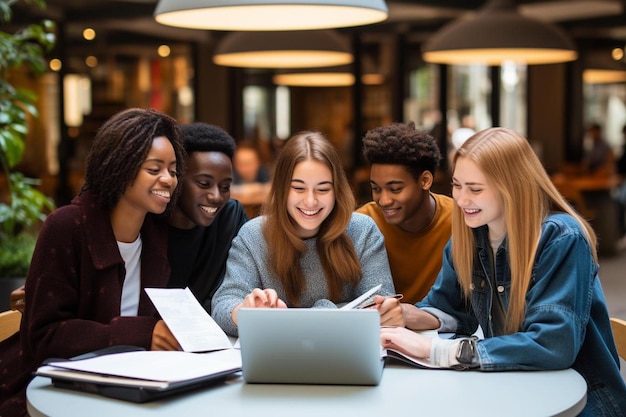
(390, 309)
(381, 298)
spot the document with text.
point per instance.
(189, 322)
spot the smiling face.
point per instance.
(206, 188)
(311, 197)
(402, 199)
(156, 180)
(478, 198)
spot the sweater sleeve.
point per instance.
(370, 248)
(243, 274)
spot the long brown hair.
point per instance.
(527, 194)
(336, 251)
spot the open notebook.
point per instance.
(132, 374)
(310, 346)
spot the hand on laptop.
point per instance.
(259, 298)
(266, 298)
(390, 310)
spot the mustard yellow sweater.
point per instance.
(415, 258)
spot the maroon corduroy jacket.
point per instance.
(73, 294)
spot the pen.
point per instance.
(372, 304)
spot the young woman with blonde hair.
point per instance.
(308, 249)
(522, 265)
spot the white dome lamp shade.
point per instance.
(270, 15)
(498, 33)
(295, 49)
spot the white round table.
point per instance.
(403, 390)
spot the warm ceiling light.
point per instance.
(315, 79)
(55, 64)
(602, 68)
(89, 34)
(269, 14)
(372, 79)
(297, 49)
(325, 77)
(599, 76)
(91, 61)
(164, 51)
(498, 33)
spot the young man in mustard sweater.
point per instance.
(415, 222)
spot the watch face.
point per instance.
(466, 352)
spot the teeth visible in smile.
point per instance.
(208, 209)
(310, 212)
(471, 211)
(161, 193)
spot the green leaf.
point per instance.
(21, 50)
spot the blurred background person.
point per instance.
(247, 167)
(250, 179)
(599, 158)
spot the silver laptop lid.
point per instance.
(310, 346)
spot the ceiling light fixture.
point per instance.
(314, 79)
(297, 49)
(271, 15)
(498, 33)
(602, 68)
(325, 77)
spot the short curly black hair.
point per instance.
(402, 144)
(120, 148)
(204, 137)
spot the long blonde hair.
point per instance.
(528, 196)
(336, 250)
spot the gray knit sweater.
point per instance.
(246, 269)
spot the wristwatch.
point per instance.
(466, 353)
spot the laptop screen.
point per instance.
(310, 346)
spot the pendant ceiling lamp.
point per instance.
(325, 79)
(297, 49)
(600, 67)
(498, 33)
(315, 79)
(341, 76)
(271, 15)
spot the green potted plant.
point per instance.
(22, 205)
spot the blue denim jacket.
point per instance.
(566, 323)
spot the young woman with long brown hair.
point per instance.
(308, 249)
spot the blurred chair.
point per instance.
(9, 323)
(574, 196)
(619, 335)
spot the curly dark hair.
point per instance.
(120, 147)
(402, 144)
(203, 137)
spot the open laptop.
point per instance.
(310, 346)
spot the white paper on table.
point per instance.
(193, 327)
(162, 366)
(360, 299)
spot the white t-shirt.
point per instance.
(131, 253)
